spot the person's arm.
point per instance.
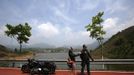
(71, 54)
(77, 55)
(89, 55)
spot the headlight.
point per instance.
(39, 69)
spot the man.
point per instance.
(85, 57)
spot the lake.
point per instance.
(53, 56)
(60, 57)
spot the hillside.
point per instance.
(120, 45)
(3, 51)
(8, 54)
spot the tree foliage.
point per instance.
(20, 32)
(95, 28)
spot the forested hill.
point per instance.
(120, 45)
(3, 51)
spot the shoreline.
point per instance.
(18, 56)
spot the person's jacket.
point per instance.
(72, 55)
(85, 56)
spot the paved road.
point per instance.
(17, 71)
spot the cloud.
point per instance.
(87, 4)
(110, 23)
(74, 38)
(114, 6)
(111, 26)
(128, 23)
(66, 36)
(61, 22)
(48, 29)
(59, 36)
(63, 16)
(2, 30)
(43, 32)
(67, 30)
(5, 40)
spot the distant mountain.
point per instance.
(120, 45)
(91, 46)
(95, 44)
(41, 45)
(38, 45)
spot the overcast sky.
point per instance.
(62, 22)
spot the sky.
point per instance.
(62, 22)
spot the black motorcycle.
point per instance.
(36, 67)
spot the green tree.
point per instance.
(20, 32)
(96, 29)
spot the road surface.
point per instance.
(17, 71)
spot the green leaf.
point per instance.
(21, 32)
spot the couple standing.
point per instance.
(85, 58)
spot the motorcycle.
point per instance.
(36, 67)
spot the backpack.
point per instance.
(84, 55)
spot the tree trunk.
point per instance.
(102, 57)
(101, 45)
(20, 47)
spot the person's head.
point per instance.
(84, 46)
(71, 48)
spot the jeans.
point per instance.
(87, 64)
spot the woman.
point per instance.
(72, 58)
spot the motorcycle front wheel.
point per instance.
(25, 69)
